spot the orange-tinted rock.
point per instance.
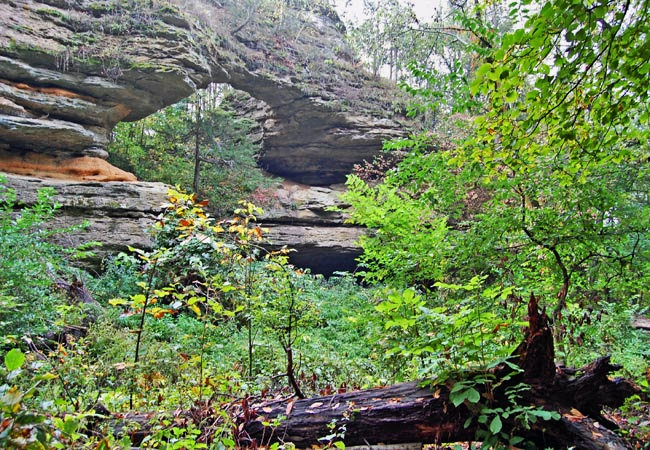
(84, 168)
(75, 68)
(70, 70)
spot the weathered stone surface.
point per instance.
(298, 216)
(62, 103)
(312, 144)
(10, 108)
(82, 168)
(70, 70)
(324, 250)
(45, 133)
(118, 214)
(300, 203)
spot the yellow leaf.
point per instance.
(196, 310)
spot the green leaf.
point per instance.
(473, 395)
(496, 425)
(70, 424)
(544, 415)
(30, 419)
(14, 359)
(516, 440)
(457, 387)
(485, 68)
(512, 96)
(45, 377)
(457, 398)
(117, 302)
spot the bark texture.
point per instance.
(408, 412)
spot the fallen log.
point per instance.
(409, 412)
(641, 323)
(417, 413)
(400, 413)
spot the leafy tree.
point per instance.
(572, 145)
(199, 144)
(571, 86)
(383, 38)
(548, 195)
(435, 61)
(29, 264)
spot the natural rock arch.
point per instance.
(71, 69)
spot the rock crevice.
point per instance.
(311, 220)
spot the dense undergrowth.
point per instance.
(545, 195)
(220, 318)
(210, 317)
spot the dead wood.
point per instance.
(414, 412)
(641, 323)
(76, 291)
(409, 412)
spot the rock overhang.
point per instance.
(69, 72)
(67, 69)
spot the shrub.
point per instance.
(29, 263)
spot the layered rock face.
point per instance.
(299, 216)
(117, 214)
(71, 69)
(69, 73)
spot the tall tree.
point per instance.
(433, 59)
(199, 144)
(549, 193)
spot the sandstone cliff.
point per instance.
(300, 217)
(118, 214)
(71, 69)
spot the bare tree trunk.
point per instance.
(197, 148)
